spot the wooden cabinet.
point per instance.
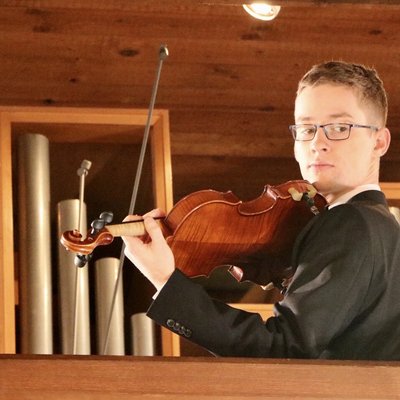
(70, 125)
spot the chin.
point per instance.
(312, 179)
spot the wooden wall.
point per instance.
(228, 83)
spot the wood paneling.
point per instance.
(229, 81)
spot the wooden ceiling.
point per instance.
(229, 81)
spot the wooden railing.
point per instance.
(161, 378)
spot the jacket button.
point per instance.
(188, 333)
(177, 326)
(170, 323)
(182, 330)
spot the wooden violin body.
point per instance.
(209, 229)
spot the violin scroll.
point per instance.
(98, 235)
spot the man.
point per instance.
(344, 299)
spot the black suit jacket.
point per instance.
(342, 303)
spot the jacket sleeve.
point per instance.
(185, 308)
(334, 267)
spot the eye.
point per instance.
(306, 130)
(339, 128)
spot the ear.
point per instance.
(382, 141)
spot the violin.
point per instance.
(209, 229)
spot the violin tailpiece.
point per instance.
(310, 202)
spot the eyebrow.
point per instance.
(333, 116)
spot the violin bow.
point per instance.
(163, 54)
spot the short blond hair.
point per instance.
(365, 80)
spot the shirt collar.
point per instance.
(347, 196)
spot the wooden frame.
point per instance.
(12, 116)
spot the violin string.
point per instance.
(163, 54)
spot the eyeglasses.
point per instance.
(333, 131)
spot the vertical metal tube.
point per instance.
(143, 335)
(106, 273)
(73, 290)
(34, 244)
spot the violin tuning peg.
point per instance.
(81, 260)
(98, 224)
(107, 216)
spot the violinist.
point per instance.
(343, 301)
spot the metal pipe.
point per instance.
(34, 244)
(143, 335)
(110, 329)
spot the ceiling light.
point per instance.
(262, 11)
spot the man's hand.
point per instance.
(151, 253)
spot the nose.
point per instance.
(320, 141)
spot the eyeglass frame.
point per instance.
(317, 126)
